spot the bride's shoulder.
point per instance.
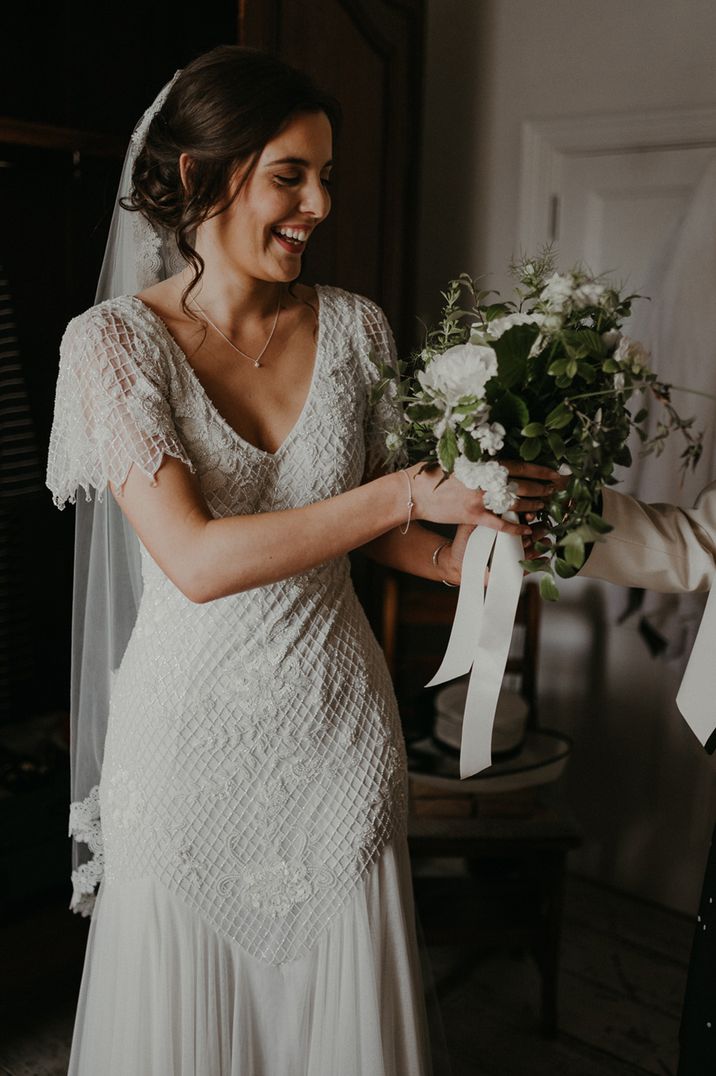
(112, 314)
(364, 313)
(118, 324)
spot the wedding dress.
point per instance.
(255, 917)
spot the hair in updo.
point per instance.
(222, 110)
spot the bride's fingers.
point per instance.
(497, 523)
(534, 471)
(527, 504)
(534, 489)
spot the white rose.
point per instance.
(491, 437)
(557, 292)
(498, 326)
(460, 371)
(611, 338)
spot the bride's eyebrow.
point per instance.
(301, 161)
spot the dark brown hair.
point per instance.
(222, 110)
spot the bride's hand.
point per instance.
(451, 557)
(451, 502)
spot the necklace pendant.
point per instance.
(257, 363)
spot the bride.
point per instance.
(255, 914)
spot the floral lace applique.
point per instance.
(85, 826)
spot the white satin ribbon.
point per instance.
(697, 695)
(480, 637)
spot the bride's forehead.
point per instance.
(307, 135)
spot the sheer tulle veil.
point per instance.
(107, 573)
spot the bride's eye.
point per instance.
(287, 181)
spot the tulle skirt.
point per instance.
(164, 995)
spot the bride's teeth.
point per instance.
(293, 233)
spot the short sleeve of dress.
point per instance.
(111, 407)
(384, 418)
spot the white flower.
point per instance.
(632, 354)
(492, 478)
(498, 326)
(619, 382)
(611, 338)
(557, 292)
(393, 442)
(588, 294)
(491, 437)
(500, 500)
(460, 371)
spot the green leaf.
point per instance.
(533, 429)
(530, 449)
(556, 444)
(557, 368)
(574, 552)
(512, 350)
(558, 418)
(640, 416)
(509, 410)
(548, 589)
(593, 342)
(623, 456)
(586, 372)
(471, 449)
(447, 450)
(563, 570)
(422, 412)
(539, 564)
(610, 366)
(571, 369)
(598, 523)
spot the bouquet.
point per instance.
(547, 376)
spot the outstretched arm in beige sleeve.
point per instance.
(656, 546)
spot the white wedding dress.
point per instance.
(255, 916)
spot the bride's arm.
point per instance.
(209, 558)
(412, 552)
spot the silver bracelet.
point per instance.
(436, 554)
(410, 505)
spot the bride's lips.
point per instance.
(293, 246)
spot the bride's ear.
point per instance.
(186, 163)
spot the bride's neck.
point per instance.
(230, 296)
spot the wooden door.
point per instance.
(369, 56)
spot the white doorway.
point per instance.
(609, 191)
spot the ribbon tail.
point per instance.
(461, 648)
(697, 694)
(493, 646)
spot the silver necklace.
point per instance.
(256, 361)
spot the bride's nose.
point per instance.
(315, 199)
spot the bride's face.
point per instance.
(268, 226)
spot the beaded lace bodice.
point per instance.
(254, 761)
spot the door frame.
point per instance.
(547, 142)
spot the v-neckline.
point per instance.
(196, 380)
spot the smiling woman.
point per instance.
(255, 913)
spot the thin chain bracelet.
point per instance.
(436, 554)
(410, 505)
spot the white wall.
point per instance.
(491, 64)
(642, 786)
